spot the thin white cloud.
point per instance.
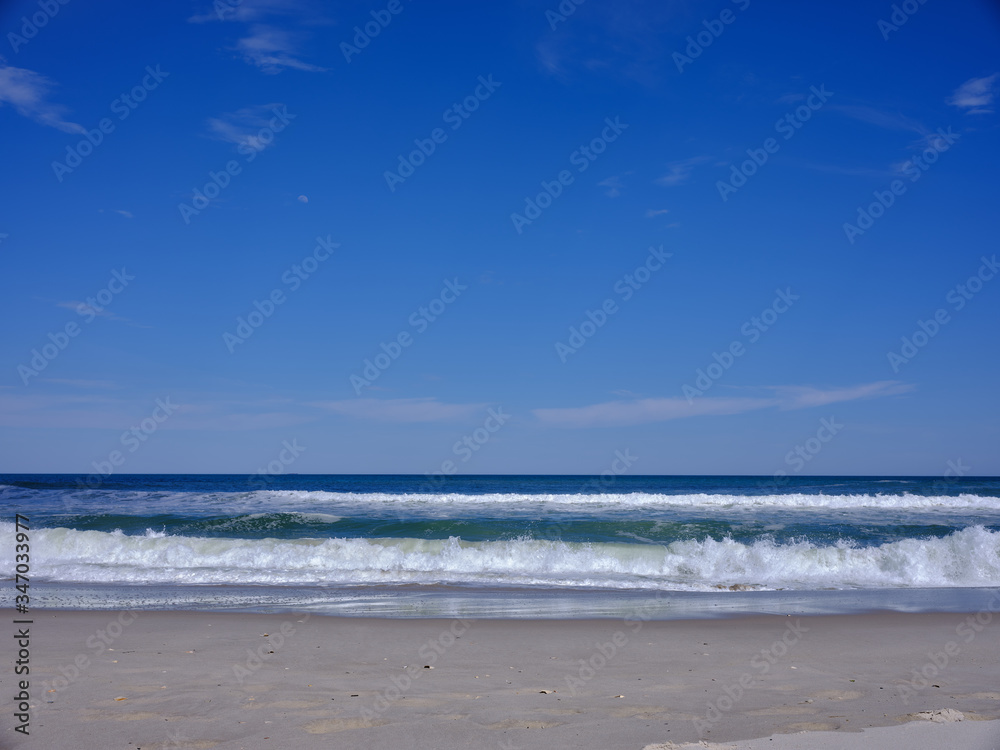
(976, 95)
(272, 50)
(549, 57)
(262, 44)
(614, 186)
(26, 91)
(41, 411)
(880, 119)
(104, 384)
(246, 10)
(401, 409)
(126, 214)
(85, 309)
(679, 171)
(94, 411)
(801, 397)
(654, 212)
(244, 126)
(642, 411)
(624, 40)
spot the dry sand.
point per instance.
(209, 680)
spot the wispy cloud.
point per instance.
(892, 121)
(679, 171)
(243, 127)
(623, 40)
(976, 95)
(263, 44)
(90, 410)
(64, 411)
(879, 118)
(246, 10)
(86, 309)
(401, 409)
(273, 50)
(801, 397)
(87, 384)
(643, 411)
(26, 91)
(790, 98)
(614, 186)
(549, 57)
(652, 213)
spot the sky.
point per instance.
(500, 238)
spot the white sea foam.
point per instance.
(970, 557)
(904, 501)
(448, 504)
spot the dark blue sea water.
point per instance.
(572, 546)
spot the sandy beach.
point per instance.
(153, 679)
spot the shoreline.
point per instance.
(524, 603)
(230, 680)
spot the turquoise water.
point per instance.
(244, 541)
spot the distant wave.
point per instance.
(969, 557)
(276, 501)
(905, 501)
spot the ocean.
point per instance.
(506, 546)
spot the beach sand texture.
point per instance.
(228, 680)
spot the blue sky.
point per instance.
(570, 218)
